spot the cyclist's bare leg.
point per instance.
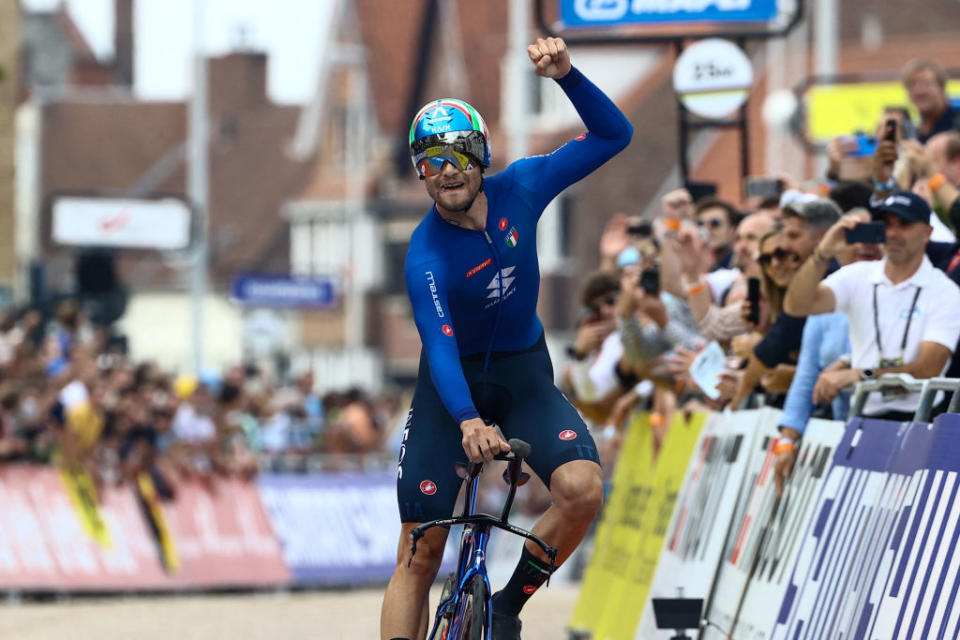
(405, 609)
(577, 491)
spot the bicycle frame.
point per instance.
(473, 543)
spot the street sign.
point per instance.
(605, 13)
(291, 292)
(713, 78)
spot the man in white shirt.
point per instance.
(903, 312)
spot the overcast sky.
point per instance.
(290, 31)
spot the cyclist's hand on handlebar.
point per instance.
(480, 441)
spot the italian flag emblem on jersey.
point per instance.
(512, 237)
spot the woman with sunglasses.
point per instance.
(777, 268)
(473, 279)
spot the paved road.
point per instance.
(350, 615)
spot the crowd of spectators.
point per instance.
(800, 312)
(70, 396)
(800, 315)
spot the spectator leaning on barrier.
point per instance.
(804, 223)
(902, 310)
(926, 85)
(824, 353)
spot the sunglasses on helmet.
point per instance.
(459, 148)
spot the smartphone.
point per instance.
(650, 281)
(868, 232)
(908, 129)
(890, 130)
(762, 187)
(640, 229)
(866, 145)
(753, 295)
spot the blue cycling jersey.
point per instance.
(476, 291)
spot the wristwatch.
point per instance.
(867, 374)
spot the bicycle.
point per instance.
(464, 612)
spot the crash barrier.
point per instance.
(862, 544)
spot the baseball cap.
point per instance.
(905, 204)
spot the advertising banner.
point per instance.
(868, 538)
(223, 536)
(335, 528)
(774, 559)
(704, 510)
(749, 530)
(45, 543)
(607, 13)
(619, 525)
(649, 513)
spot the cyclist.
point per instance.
(473, 280)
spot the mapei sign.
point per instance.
(599, 13)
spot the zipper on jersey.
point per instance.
(496, 324)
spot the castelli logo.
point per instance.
(503, 224)
(447, 330)
(529, 589)
(582, 136)
(567, 434)
(428, 487)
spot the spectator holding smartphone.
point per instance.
(902, 311)
(824, 355)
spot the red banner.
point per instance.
(223, 537)
(44, 544)
(52, 538)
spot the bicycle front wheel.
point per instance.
(473, 610)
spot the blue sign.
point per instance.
(284, 291)
(605, 13)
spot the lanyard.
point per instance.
(876, 321)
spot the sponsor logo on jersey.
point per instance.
(582, 136)
(480, 267)
(529, 589)
(512, 238)
(567, 434)
(503, 224)
(428, 487)
(431, 282)
(447, 330)
(502, 280)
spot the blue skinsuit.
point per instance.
(474, 297)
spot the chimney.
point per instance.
(123, 42)
(238, 81)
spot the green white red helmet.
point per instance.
(445, 130)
